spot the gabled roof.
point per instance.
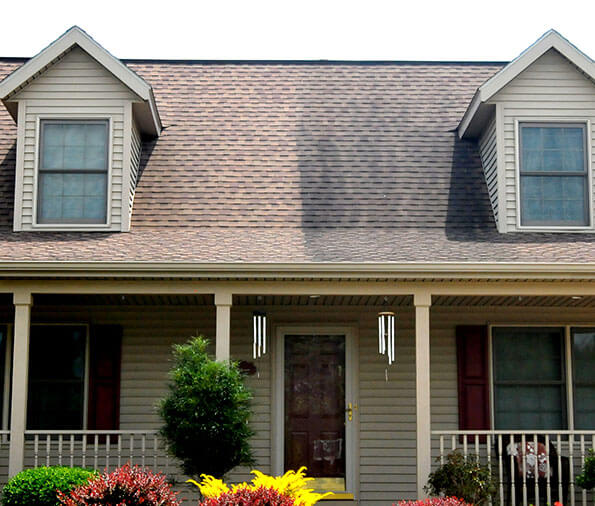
(149, 119)
(476, 112)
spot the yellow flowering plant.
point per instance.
(292, 484)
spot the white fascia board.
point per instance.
(316, 270)
(469, 115)
(550, 40)
(76, 36)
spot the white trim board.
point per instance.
(76, 36)
(351, 395)
(549, 40)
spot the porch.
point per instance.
(406, 415)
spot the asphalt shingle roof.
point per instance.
(300, 162)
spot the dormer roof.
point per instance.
(146, 109)
(479, 110)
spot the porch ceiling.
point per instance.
(307, 300)
(534, 301)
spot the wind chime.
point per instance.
(386, 336)
(259, 345)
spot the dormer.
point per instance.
(80, 114)
(533, 122)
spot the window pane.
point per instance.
(553, 199)
(584, 408)
(53, 134)
(528, 407)
(583, 351)
(73, 146)
(529, 378)
(56, 377)
(527, 354)
(583, 348)
(71, 197)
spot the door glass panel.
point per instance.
(315, 407)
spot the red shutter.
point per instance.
(474, 396)
(104, 377)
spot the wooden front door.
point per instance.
(314, 409)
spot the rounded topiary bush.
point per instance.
(40, 486)
(206, 414)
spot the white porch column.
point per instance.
(223, 302)
(422, 302)
(20, 375)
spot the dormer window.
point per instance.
(553, 167)
(73, 172)
(77, 152)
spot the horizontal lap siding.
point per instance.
(445, 414)
(386, 409)
(75, 86)
(489, 161)
(550, 89)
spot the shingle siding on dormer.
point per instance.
(550, 89)
(76, 86)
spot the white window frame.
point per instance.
(569, 379)
(73, 226)
(590, 226)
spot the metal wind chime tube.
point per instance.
(259, 346)
(386, 335)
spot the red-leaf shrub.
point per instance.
(262, 496)
(436, 501)
(124, 486)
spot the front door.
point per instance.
(317, 392)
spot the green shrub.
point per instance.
(206, 412)
(586, 479)
(39, 486)
(462, 477)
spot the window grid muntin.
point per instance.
(43, 171)
(584, 174)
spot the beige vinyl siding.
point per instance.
(489, 161)
(135, 151)
(76, 86)
(551, 89)
(386, 409)
(444, 320)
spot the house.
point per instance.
(445, 208)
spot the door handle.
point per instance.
(349, 411)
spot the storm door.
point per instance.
(315, 408)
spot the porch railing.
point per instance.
(515, 458)
(100, 450)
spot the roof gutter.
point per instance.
(314, 270)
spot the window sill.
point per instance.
(83, 227)
(551, 229)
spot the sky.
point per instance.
(305, 29)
